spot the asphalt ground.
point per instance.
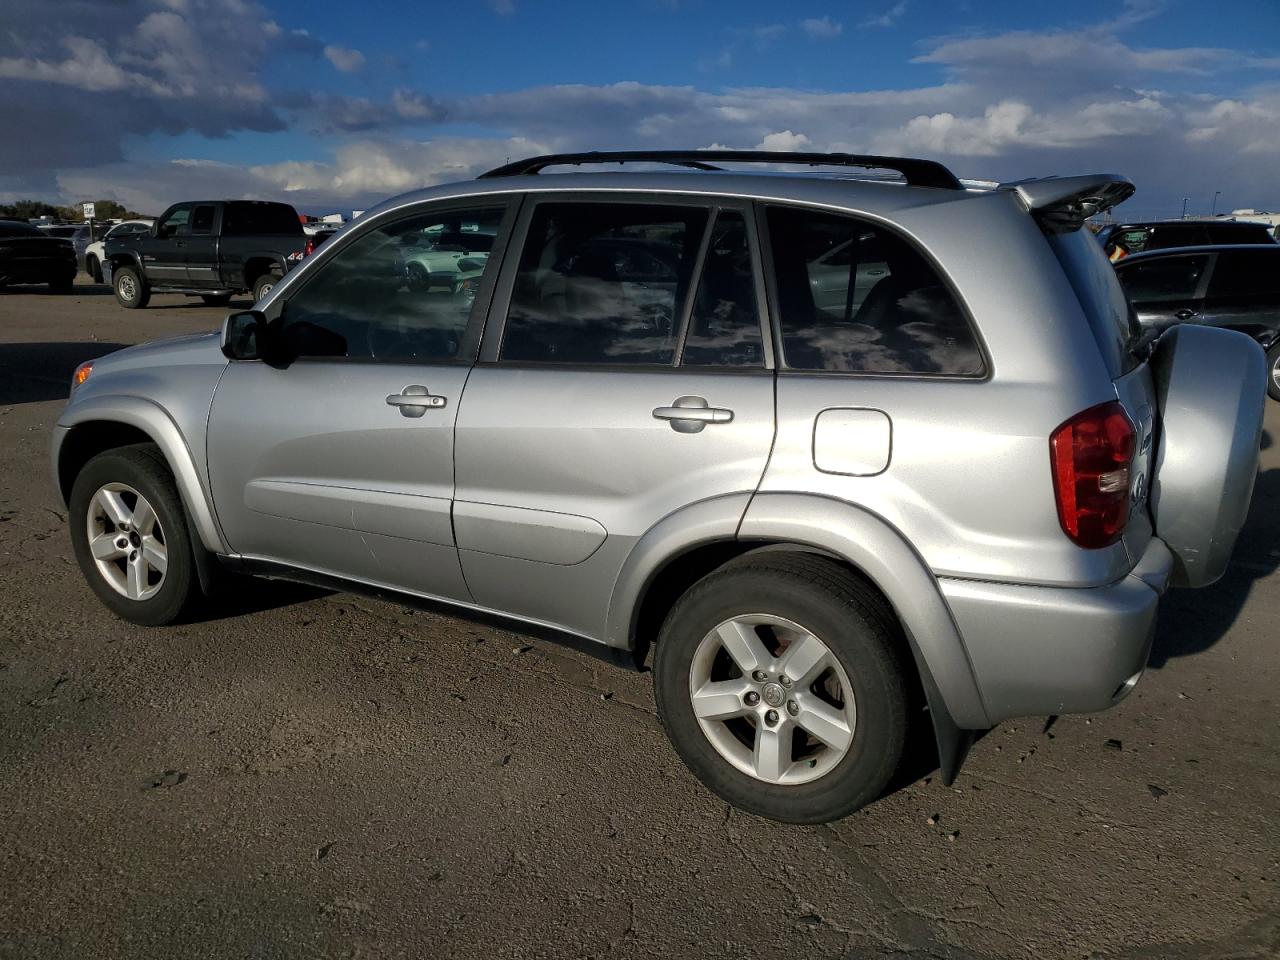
(302, 774)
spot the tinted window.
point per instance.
(127, 229)
(1253, 273)
(854, 297)
(175, 222)
(13, 228)
(724, 327)
(63, 232)
(202, 219)
(1163, 278)
(602, 283)
(244, 218)
(391, 296)
(1165, 235)
(1238, 233)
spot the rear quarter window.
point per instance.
(1111, 318)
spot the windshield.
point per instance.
(12, 228)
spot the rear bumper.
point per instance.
(1048, 650)
(36, 271)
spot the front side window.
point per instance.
(176, 222)
(1166, 278)
(402, 292)
(856, 298)
(602, 283)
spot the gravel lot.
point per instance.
(317, 774)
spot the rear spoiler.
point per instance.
(1063, 204)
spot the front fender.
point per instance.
(156, 423)
(877, 549)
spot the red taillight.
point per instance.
(310, 248)
(1092, 454)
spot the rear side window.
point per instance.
(1238, 233)
(1166, 235)
(602, 283)
(202, 219)
(1248, 273)
(243, 218)
(1163, 279)
(855, 298)
(724, 325)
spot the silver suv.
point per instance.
(841, 446)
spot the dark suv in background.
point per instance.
(1130, 238)
(1225, 286)
(213, 249)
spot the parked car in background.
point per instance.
(1120, 240)
(1237, 287)
(646, 428)
(64, 231)
(30, 255)
(94, 253)
(316, 239)
(212, 249)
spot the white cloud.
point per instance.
(889, 17)
(821, 28)
(784, 140)
(344, 58)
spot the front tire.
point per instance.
(131, 290)
(130, 537)
(781, 683)
(1273, 372)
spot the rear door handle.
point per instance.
(692, 414)
(1186, 314)
(414, 400)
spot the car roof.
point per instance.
(1144, 224)
(1272, 249)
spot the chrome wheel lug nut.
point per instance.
(771, 717)
(752, 698)
(759, 676)
(785, 680)
(792, 707)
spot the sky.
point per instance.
(333, 104)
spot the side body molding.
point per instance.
(153, 420)
(875, 547)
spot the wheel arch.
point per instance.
(257, 264)
(103, 423)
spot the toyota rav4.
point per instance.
(836, 445)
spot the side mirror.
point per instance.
(244, 335)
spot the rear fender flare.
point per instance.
(875, 547)
(156, 423)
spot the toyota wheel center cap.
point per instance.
(773, 694)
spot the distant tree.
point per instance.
(31, 209)
(27, 210)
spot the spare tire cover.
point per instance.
(1210, 391)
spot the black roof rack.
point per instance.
(918, 173)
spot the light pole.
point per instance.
(1214, 211)
(1184, 207)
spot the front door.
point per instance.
(341, 460)
(630, 380)
(164, 253)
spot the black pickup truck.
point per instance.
(212, 249)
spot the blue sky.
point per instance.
(336, 104)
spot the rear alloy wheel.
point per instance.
(130, 289)
(1273, 372)
(264, 285)
(780, 682)
(130, 536)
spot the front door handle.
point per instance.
(692, 414)
(414, 400)
(1186, 314)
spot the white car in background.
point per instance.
(93, 252)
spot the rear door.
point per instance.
(201, 250)
(164, 254)
(624, 376)
(1166, 290)
(1244, 291)
(341, 460)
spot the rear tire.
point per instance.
(262, 286)
(216, 299)
(130, 537)
(1273, 372)
(812, 781)
(130, 289)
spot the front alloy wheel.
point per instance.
(127, 541)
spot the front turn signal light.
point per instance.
(81, 374)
